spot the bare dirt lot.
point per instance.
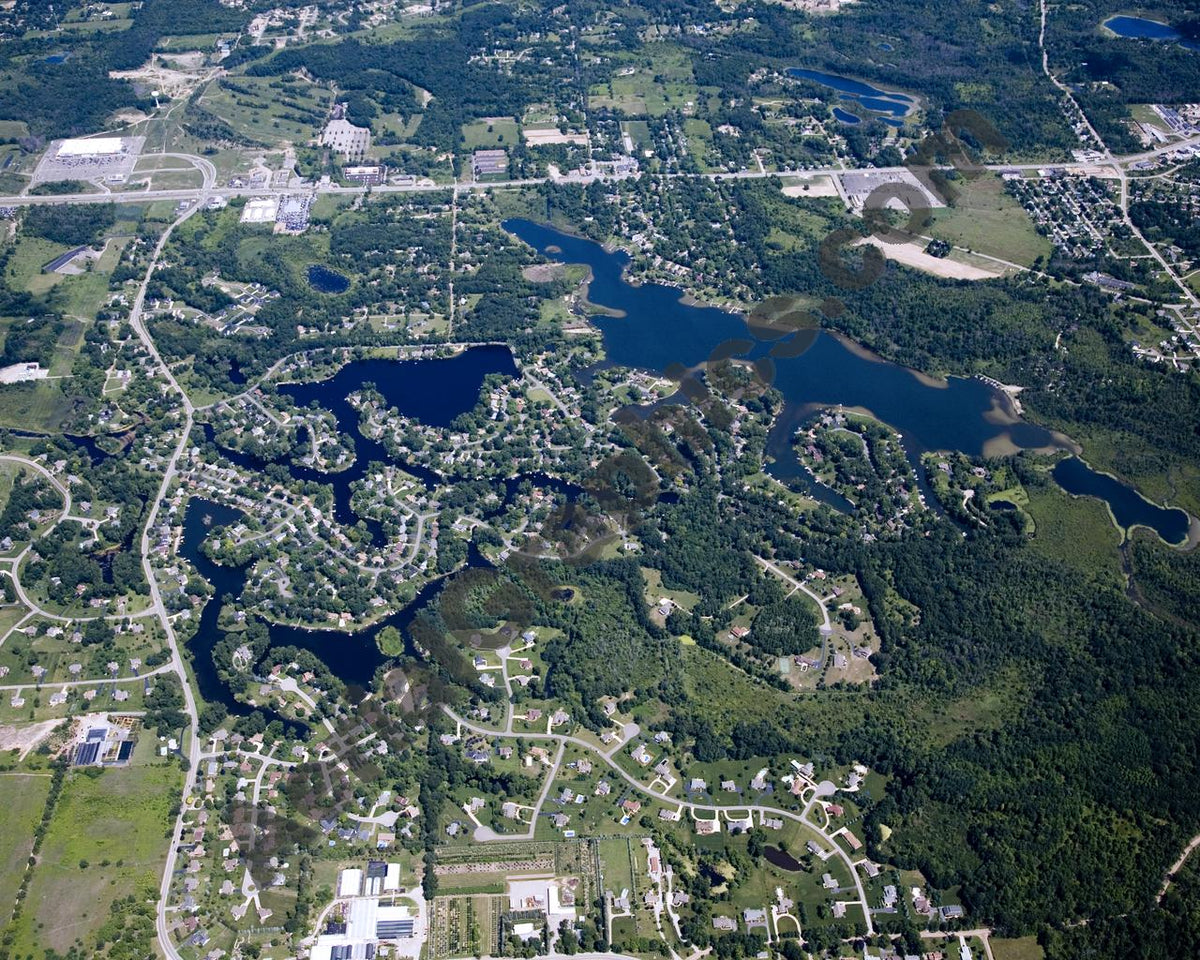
(810, 187)
(911, 255)
(25, 737)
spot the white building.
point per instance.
(91, 147)
(350, 882)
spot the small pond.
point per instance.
(324, 280)
(1141, 28)
(782, 859)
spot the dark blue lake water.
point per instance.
(1139, 28)
(434, 391)
(324, 280)
(844, 116)
(1129, 508)
(890, 103)
(657, 330)
(353, 657)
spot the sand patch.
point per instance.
(912, 255)
(25, 737)
(810, 187)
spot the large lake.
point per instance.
(656, 330)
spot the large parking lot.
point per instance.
(57, 164)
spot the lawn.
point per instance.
(987, 220)
(108, 837)
(616, 864)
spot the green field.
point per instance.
(658, 80)
(108, 838)
(616, 864)
(987, 220)
(485, 134)
(24, 799)
(1026, 948)
(269, 110)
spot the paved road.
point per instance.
(207, 191)
(826, 626)
(762, 811)
(137, 323)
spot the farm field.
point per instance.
(24, 799)
(108, 837)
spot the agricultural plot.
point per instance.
(465, 925)
(108, 836)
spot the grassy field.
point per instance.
(649, 85)
(25, 266)
(987, 220)
(1026, 948)
(24, 799)
(484, 134)
(616, 864)
(107, 837)
(272, 110)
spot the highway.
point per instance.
(210, 189)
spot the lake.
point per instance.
(844, 116)
(432, 390)
(1140, 28)
(656, 330)
(1129, 508)
(890, 103)
(324, 280)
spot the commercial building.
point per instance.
(366, 175)
(261, 210)
(91, 147)
(489, 162)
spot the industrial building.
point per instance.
(104, 741)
